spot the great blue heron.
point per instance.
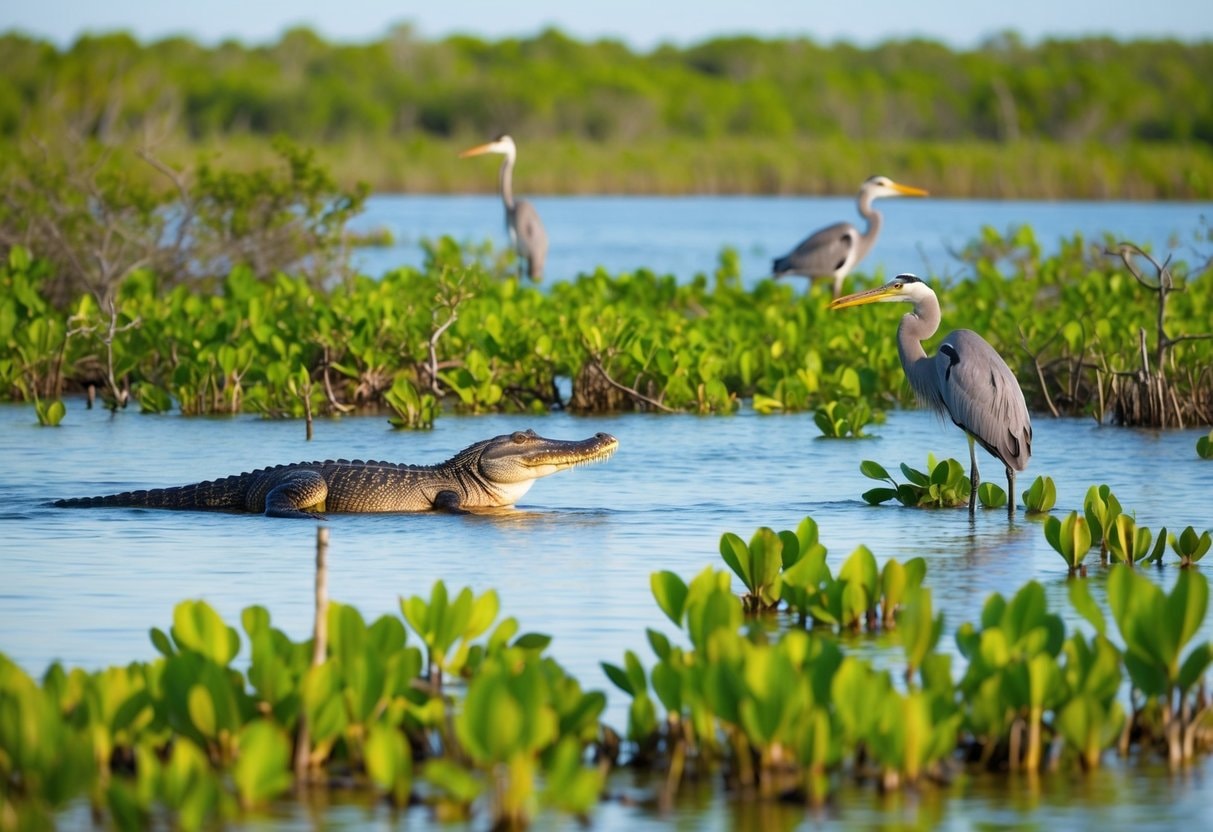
(965, 379)
(835, 250)
(521, 219)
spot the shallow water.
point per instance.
(684, 235)
(84, 586)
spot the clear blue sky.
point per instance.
(641, 23)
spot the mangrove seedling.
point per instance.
(991, 495)
(1189, 547)
(919, 629)
(1041, 496)
(1101, 508)
(945, 487)
(758, 565)
(1129, 544)
(1071, 538)
(442, 621)
(50, 413)
(1156, 627)
(1092, 719)
(897, 582)
(414, 410)
(840, 419)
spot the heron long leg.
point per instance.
(974, 477)
(1010, 491)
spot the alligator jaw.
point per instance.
(525, 456)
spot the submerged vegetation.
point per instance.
(1063, 118)
(449, 707)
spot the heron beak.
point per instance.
(909, 190)
(478, 150)
(860, 298)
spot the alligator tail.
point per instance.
(218, 494)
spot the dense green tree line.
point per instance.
(771, 114)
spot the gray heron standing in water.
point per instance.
(835, 250)
(521, 219)
(965, 379)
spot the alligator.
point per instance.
(493, 473)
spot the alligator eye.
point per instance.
(519, 437)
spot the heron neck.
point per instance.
(875, 221)
(916, 327)
(507, 181)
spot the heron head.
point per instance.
(878, 186)
(503, 145)
(905, 288)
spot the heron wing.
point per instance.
(983, 397)
(822, 254)
(532, 239)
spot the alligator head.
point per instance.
(510, 463)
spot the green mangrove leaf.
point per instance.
(918, 477)
(918, 627)
(161, 642)
(386, 636)
(619, 678)
(737, 555)
(790, 551)
(389, 762)
(197, 627)
(670, 593)
(659, 643)
(1189, 547)
(483, 614)
(635, 671)
(491, 723)
(667, 684)
(533, 641)
(991, 495)
(1041, 496)
(1185, 608)
(1194, 666)
(1160, 546)
(202, 711)
(642, 718)
(876, 496)
(262, 770)
(873, 470)
(571, 786)
(1085, 605)
(255, 619)
(454, 781)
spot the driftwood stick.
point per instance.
(320, 629)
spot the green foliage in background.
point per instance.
(459, 334)
(1080, 118)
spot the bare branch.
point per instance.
(631, 391)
